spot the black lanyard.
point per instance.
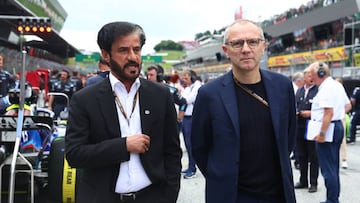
(252, 93)
(122, 108)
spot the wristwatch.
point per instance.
(322, 133)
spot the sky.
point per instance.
(175, 20)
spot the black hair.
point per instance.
(159, 71)
(192, 74)
(66, 71)
(111, 31)
(54, 72)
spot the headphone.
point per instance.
(321, 71)
(192, 74)
(159, 72)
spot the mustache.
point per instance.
(131, 63)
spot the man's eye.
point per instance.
(238, 43)
(137, 50)
(123, 50)
(252, 41)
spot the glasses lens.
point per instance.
(239, 44)
(253, 42)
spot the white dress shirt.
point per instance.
(331, 94)
(190, 94)
(132, 176)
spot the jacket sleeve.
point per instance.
(202, 131)
(292, 120)
(172, 153)
(180, 101)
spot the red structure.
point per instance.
(39, 80)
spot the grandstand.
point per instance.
(322, 30)
(313, 32)
(207, 57)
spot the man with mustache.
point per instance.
(123, 139)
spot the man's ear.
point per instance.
(224, 48)
(105, 55)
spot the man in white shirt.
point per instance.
(328, 109)
(124, 140)
(190, 92)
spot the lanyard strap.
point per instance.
(250, 92)
(122, 108)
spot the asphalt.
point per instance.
(193, 190)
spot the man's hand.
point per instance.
(139, 143)
(320, 139)
(305, 114)
(180, 116)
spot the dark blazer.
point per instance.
(93, 142)
(303, 103)
(216, 134)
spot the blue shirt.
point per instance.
(356, 97)
(97, 78)
(6, 81)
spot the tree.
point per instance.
(198, 36)
(168, 45)
(207, 33)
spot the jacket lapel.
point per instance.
(230, 101)
(146, 100)
(106, 102)
(273, 99)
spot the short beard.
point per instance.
(119, 71)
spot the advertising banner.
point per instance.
(324, 55)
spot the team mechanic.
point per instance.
(6, 81)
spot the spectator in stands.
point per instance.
(104, 70)
(60, 103)
(244, 125)
(6, 81)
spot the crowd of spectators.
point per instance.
(303, 46)
(295, 12)
(305, 41)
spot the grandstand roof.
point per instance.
(52, 42)
(316, 17)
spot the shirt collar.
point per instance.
(307, 88)
(114, 80)
(327, 80)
